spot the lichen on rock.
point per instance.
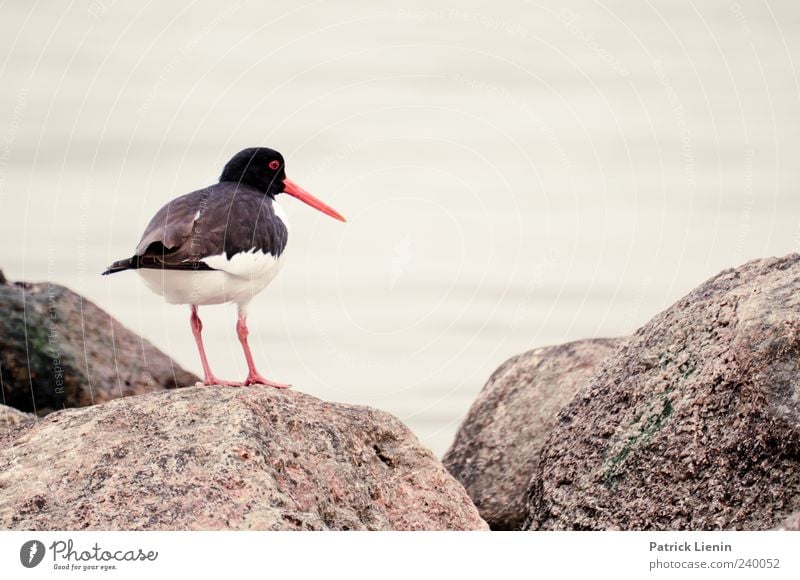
(59, 350)
(694, 423)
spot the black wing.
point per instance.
(226, 217)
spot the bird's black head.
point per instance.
(260, 167)
(263, 169)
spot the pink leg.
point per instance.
(209, 378)
(253, 376)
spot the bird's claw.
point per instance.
(215, 382)
(259, 380)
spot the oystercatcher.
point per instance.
(223, 243)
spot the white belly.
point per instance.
(235, 280)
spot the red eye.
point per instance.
(274, 165)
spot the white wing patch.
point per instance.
(250, 264)
(237, 279)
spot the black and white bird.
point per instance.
(223, 243)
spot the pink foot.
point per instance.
(214, 381)
(253, 378)
(259, 380)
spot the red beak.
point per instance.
(295, 190)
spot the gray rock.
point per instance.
(497, 446)
(59, 350)
(694, 424)
(214, 458)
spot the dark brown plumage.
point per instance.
(189, 228)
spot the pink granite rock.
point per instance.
(206, 458)
(10, 418)
(792, 523)
(497, 446)
(694, 424)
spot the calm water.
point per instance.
(514, 173)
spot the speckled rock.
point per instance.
(205, 458)
(10, 417)
(59, 350)
(497, 446)
(694, 424)
(792, 523)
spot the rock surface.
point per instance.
(694, 423)
(59, 350)
(497, 446)
(10, 417)
(205, 458)
(792, 523)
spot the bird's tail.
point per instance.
(120, 265)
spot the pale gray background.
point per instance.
(515, 173)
